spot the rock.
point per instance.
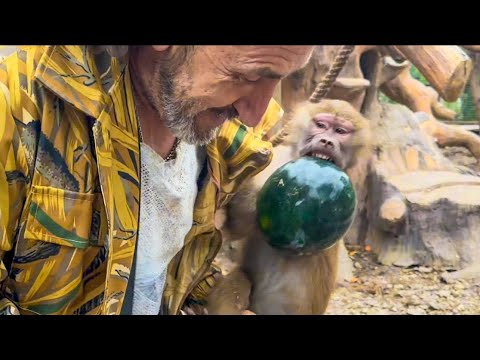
(427, 296)
(416, 286)
(446, 277)
(412, 301)
(415, 300)
(345, 265)
(416, 311)
(459, 286)
(389, 286)
(444, 293)
(468, 273)
(460, 307)
(398, 286)
(405, 293)
(436, 306)
(357, 265)
(371, 302)
(424, 269)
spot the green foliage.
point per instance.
(468, 106)
(384, 99)
(464, 106)
(416, 74)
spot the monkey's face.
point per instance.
(328, 137)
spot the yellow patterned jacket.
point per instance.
(70, 185)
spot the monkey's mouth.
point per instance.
(322, 156)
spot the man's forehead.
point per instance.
(286, 52)
(275, 58)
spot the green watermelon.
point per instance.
(306, 206)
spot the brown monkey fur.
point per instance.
(270, 282)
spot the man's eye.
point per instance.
(251, 79)
(245, 79)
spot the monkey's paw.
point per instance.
(248, 312)
(191, 311)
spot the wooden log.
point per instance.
(410, 92)
(349, 89)
(422, 208)
(391, 69)
(447, 68)
(349, 86)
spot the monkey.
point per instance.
(268, 281)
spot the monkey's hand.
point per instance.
(230, 295)
(187, 310)
(190, 311)
(248, 312)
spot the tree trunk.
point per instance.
(408, 91)
(422, 209)
(447, 68)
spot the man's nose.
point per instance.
(252, 107)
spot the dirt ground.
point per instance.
(385, 290)
(388, 290)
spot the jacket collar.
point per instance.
(74, 74)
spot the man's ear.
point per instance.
(161, 47)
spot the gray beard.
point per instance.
(182, 124)
(179, 115)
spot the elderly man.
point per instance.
(113, 161)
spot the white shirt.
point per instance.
(168, 192)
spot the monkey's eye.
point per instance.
(341, 131)
(321, 125)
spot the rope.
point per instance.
(326, 84)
